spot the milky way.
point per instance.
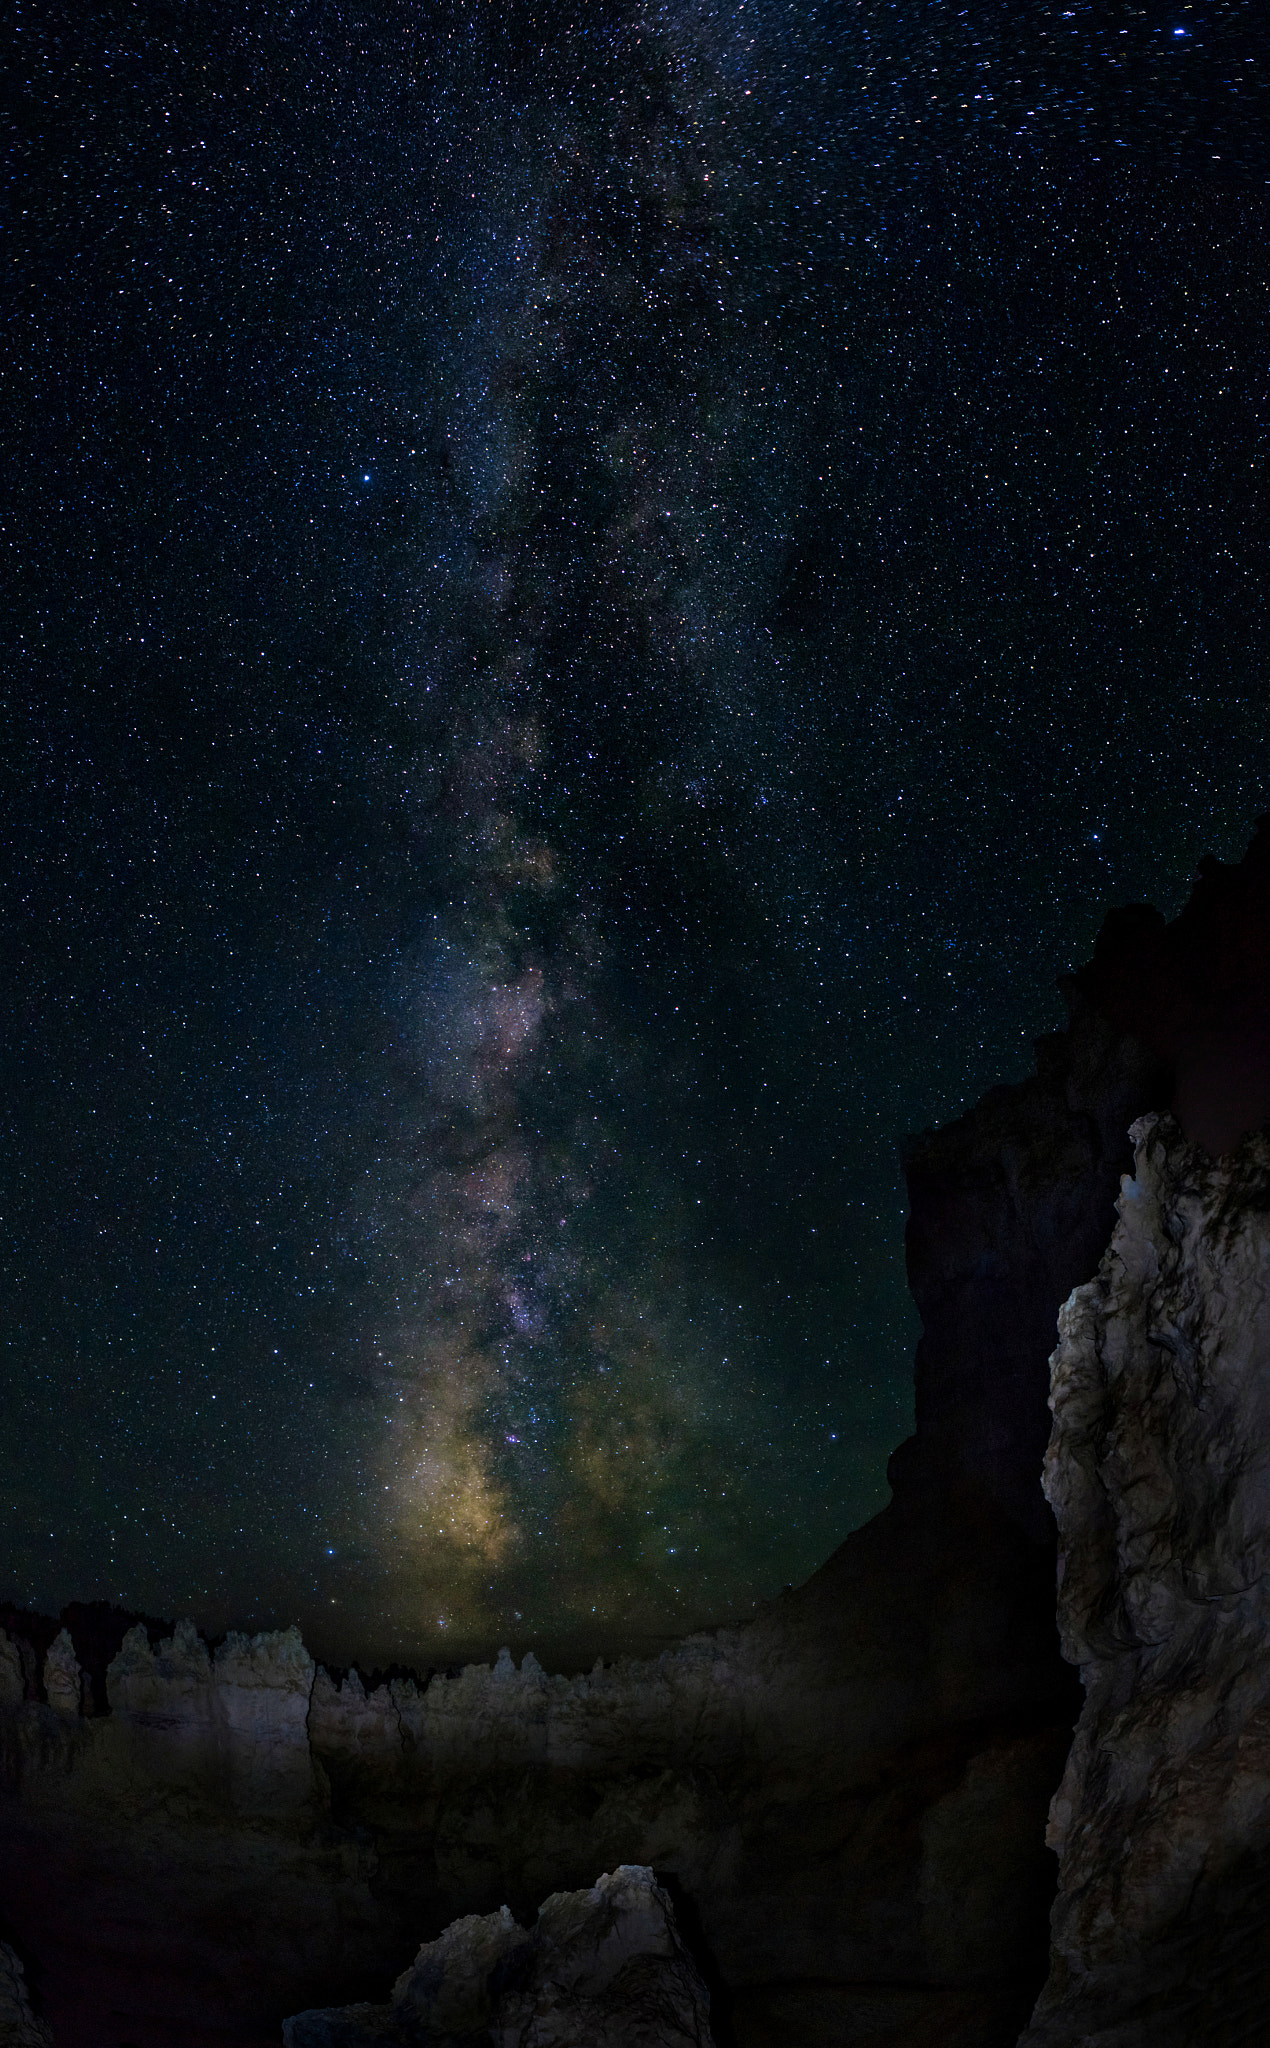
(601, 604)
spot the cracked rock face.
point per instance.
(1158, 1472)
(602, 1968)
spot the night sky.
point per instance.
(597, 602)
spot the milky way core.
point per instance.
(601, 603)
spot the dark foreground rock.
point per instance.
(600, 1968)
(19, 2027)
(1159, 1473)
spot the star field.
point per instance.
(598, 602)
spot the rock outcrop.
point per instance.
(19, 2027)
(600, 1968)
(1159, 1474)
(1196, 995)
(1010, 1207)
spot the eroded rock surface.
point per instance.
(1159, 1474)
(19, 2027)
(605, 1967)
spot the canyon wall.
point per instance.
(240, 1837)
(1159, 1474)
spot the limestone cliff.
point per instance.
(1159, 1474)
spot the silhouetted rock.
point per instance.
(1009, 1209)
(601, 1968)
(14, 1668)
(1196, 994)
(1159, 1474)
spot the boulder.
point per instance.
(601, 1968)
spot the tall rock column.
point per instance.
(1158, 1472)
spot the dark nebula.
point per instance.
(598, 601)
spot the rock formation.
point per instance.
(847, 1795)
(1196, 995)
(239, 1834)
(19, 2027)
(1159, 1474)
(600, 1968)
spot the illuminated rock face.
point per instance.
(1159, 1475)
(231, 1726)
(600, 1968)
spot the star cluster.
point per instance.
(600, 599)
